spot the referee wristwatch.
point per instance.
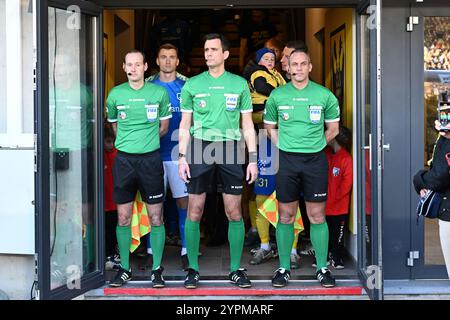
(253, 157)
(181, 155)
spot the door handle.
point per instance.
(369, 147)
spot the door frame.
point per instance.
(371, 276)
(420, 270)
(95, 7)
(42, 176)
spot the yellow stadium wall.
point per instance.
(330, 20)
(114, 53)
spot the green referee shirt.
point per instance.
(137, 113)
(216, 104)
(300, 115)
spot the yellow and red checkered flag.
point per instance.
(269, 210)
(140, 223)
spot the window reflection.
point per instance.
(72, 156)
(437, 80)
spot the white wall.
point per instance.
(16, 131)
(2, 65)
(16, 276)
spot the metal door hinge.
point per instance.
(412, 20)
(413, 255)
(36, 277)
(35, 154)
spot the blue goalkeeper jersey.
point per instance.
(169, 142)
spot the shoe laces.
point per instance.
(239, 273)
(192, 273)
(158, 270)
(324, 270)
(281, 270)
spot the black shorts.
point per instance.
(206, 158)
(302, 172)
(143, 172)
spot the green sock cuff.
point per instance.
(191, 224)
(236, 223)
(285, 225)
(158, 229)
(318, 225)
(123, 229)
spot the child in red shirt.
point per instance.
(110, 207)
(340, 182)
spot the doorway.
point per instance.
(343, 30)
(319, 28)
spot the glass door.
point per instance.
(430, 61)
(70, 117)
(368, 154)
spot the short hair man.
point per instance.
(288, 49)
(167, 60)
(301, 109)
(139, 113)
(216, 101)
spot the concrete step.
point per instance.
(221, 289)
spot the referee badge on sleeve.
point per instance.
(231, 101)
(315, 113)
(152, 112)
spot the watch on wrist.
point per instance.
(252, 157)
(181, 155)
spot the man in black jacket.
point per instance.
(438, 179)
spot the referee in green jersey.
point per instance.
(213, 106)
(139, 112)
(301, 109)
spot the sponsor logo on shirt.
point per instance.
(300, 99)
(216, 88)
(136, 100)
(336, 171)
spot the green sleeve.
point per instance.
(186, 98)
(111, 107)
(332, 112)
(246, 99)
(271, 111)
(165, 107)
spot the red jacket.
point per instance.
(340, 181)
(108, 159)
